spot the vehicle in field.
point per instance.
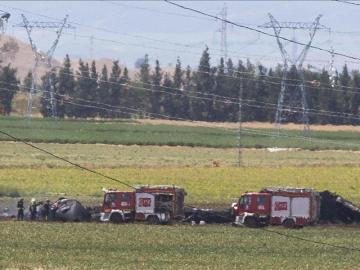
(290, 207)
(159, 204)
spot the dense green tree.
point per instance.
(156, 96)
(180, 102)
(114, 97)
(187, 106)
(218, 109)
(66, 89)
(327, 98)
(345, 83)
(83, 85)
(8, 88)
(49, 98)
(355, 101)
(262, 94)
(27, 82)
(140, 91)
(103, 93)
(169, 99)
(203, 85)
(211, 93)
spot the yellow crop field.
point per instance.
(205, 186)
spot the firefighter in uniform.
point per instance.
(20, 207)
(32, 209)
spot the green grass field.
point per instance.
(105, 246)
(130, 133)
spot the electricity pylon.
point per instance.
(38, 58)
(4, 17)
(294, 61)
(223, 32)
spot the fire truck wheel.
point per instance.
(153, 220)
(289, 223)
(116, 218)
(251, 222)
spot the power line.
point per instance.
(133, 187)
(224, 75)
(308, 240)
(225, 101)
(260, 31)
(347, 2)
(243, 130)
(132, 35)
(265, 106)
(157, 11)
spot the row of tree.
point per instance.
(210, 93)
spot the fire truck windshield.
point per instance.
(110, 197)
(245, 200)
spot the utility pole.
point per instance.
(38, 58)
(294, 61)
(239, 161)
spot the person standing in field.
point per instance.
(20, 207)
(32, 209)
(46, 210)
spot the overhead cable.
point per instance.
(260, 31)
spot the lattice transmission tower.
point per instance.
(39, 58)
(4, 17)
(223, 32)
(297, 61)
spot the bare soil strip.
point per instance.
(248, 125)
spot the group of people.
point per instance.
(44, 214)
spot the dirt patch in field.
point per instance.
(247, 125)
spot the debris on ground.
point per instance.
(69, 210)
(336, 210)
(198, 216)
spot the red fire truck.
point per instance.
(291, 207)
(154, 204)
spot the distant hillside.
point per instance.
(22, 59)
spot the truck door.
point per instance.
(126, 201)
(261, 204)
(109, 202)
(244, 204)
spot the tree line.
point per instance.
(209, 93)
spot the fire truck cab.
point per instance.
(291, 207)
(154, 204)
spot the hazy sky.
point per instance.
(123, 29)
